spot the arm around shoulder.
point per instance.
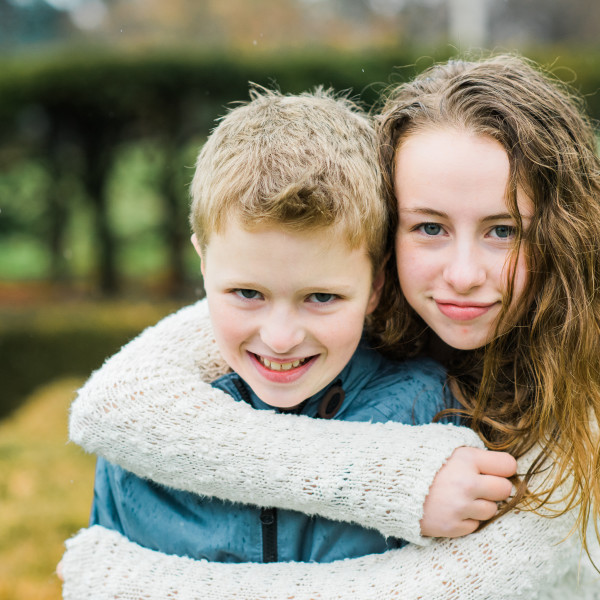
(151, 410)
(520, 556)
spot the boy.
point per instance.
(290, 225)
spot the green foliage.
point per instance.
(20, 190)
(140, 92)
(37, 346)
(579, 68)
(31, 358)
(45, 492)
(135, 89)
(99, 146)
(23, 257)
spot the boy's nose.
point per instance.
(282, 331)
(464, 270)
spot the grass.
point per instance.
(48, 308)
(45, 492)
(46, 484)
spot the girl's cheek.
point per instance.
(517, 269)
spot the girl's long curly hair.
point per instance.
(537, 382)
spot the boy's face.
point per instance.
(287, 308)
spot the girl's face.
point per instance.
(455, 234)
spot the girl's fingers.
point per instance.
(494, 489)
(482, 510)
(466, 527)
(500, 464)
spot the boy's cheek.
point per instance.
(227, 325)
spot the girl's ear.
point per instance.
(376, 289)
(198, 249)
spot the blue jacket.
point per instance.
(186, 524)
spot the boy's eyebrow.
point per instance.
(330, 286)
(243, 285)
(423, 211)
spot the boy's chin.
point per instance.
(279, 402)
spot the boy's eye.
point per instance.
(503, 231)
(430, 228)
(321, 298)
(248, 294)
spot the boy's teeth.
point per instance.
(276, 366)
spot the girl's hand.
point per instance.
(465, 492)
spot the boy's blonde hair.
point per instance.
(302, 162)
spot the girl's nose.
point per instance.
(465, 269)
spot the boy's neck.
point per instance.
(331, 398)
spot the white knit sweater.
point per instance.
(148, 410)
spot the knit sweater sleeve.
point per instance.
(521, 555)
(149, 409)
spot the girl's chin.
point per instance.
(457, 341)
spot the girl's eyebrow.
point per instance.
(498, 217)
(430, 212)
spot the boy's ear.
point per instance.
(198, 249)
(376, 290)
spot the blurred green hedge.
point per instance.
(69, 117)
(41, 345)
(137, 90)
(66, 118)
(30, 359)
(96, 100)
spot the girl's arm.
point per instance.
(520, 556)
(149, 410)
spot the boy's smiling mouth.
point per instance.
(281, 366)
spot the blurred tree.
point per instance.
(28, 22)
(174, 198)
(545, 21)
(97, 139)
(64, 120)
(57, 209)
(267, 24)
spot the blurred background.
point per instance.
(104, 105)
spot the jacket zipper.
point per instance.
(268, 516)
(268, 519)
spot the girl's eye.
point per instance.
(430, 228)
(248, 294)
(503, 231)
(322, 298)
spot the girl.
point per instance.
(494, 179)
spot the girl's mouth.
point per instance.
(463, 312)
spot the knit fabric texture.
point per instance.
(149, 410)
(516, 557)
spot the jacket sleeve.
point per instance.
(521, 555)
(149, 409)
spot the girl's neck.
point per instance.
(439, 350)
